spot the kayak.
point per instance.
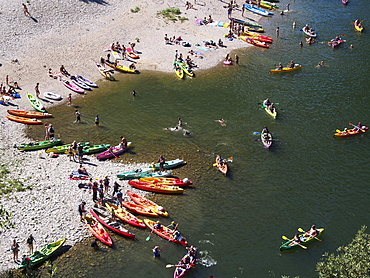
(38, 145)
(95, 148)
(64, 148)
(168, 181)
(139, 209)
(257, 10)
(296, 67)
(80, 83)
(125, 216)
(335, 42)
(118, 67)
(35, 103)
(241, 21)
(266, 139)
(186, 69)
(359, 27)
(222, 167)
(157, 188)
(23, 120)
(268, 111)
(289, 244)
(29, 114)
(86, 81)
(106, 73)
(306, 30)
(228, 63)
(72, 87)
(98, 230)
(255, 29)
(53, 96)
(351, 132)
(184, 266)
(178, 70)
(344, 2)
(43, 254)
(254, 42)
(130, 53)
(110, 224)
(169, 164)
(142, 174)
(253, 35)
(268, 5)
(112, 152)
(147, 203)
(165, 232)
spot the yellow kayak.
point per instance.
(296, 66)
(272, 113)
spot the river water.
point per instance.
(307, 177)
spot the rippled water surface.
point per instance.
(308, 177)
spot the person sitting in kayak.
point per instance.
(157, 225)
(272, 108)
(313, 231)
(291, 64)
(177, 236)
(265, 130)
(358, 23)
(296, 239)
(280, 66)
(267, 102)
(220, 161)
(358, 127)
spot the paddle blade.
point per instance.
(148, 238)
(304, 247)
(285, 238)
(214, 164)
(256, 132)
(337, 130)
(169, 265)
(301, 230)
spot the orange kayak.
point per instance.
(139, 209)
(165, 232)
(30, 114)
(98, 230)
(23, 120)
(147, 203)
(155, 187)
(125, 215)
(351, 132)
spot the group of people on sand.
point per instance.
(208, 20)
(8, 91)
(172, 40)
(313, 232)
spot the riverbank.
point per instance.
(74, 35)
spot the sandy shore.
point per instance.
(74, 34)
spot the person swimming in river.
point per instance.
(221, 121)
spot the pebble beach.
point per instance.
(74, 34)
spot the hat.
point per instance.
(173, 222)
(158, 222)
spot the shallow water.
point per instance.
(308, 177)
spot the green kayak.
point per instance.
(64, 148)
(289, 244)
(139, 174)
(35, 103)
(95, 148)
(42, 255)
(38, 145)
(169, 164)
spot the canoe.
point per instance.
(30, 114)
(38, 145)
(268, 111)
(254, 42)
(289, 244)
(178, 70)
(125, 216)
(351, 132)
(118, 67)
(246, 23)
(72, 86)
(64, 148)
(308, 33)
(183, 267)
(165, 232)
(23, 120)
(43, 254)
(157, 188)
(142, 174)
(266, 139)
(98, 230)
(106, 73)
(257, 10)
(296, 67)
(112, 152)
(109, 223)
(86, 81)
(35, 103)
(95, 148)
(80, 83)
(359, 28)
(168, 181)
(139, 209)
(140, 200)
(53, 96)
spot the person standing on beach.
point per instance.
(116, 186)
(47, 135)
(161, 162)
(30, 241)
(96, 120)
(71, 154)
(229, 11)
(119, 198)
(82, 211)
(106, 184)
(15, 249)
(80, 153)
(37, 90)
(95, 191)
(74, 148)
(69, 99)
(78, 116)
(25, 10)
(51, 132)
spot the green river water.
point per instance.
(307, 177)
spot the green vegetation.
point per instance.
(351, 261)
(136, 10)
(5, 218)
(172, 14)
(9, 185)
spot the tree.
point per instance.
(351, 261)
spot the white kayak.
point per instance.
(52, 96)
(86, 81)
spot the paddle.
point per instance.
(148, 238)
(256, 133)
(285, 238)
(302, 231)
(230, 159)
(337, 130)
(175, 265)
(276, 103)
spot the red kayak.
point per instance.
(147, 203)
(157, 188)
(254, 42)
(168, 181)
(72, 86)
(139, 209)
(165, 232)
(112, 152)
(98, 230)
(125, 215)
(184, 265)
(110, 224)
(351, 132)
